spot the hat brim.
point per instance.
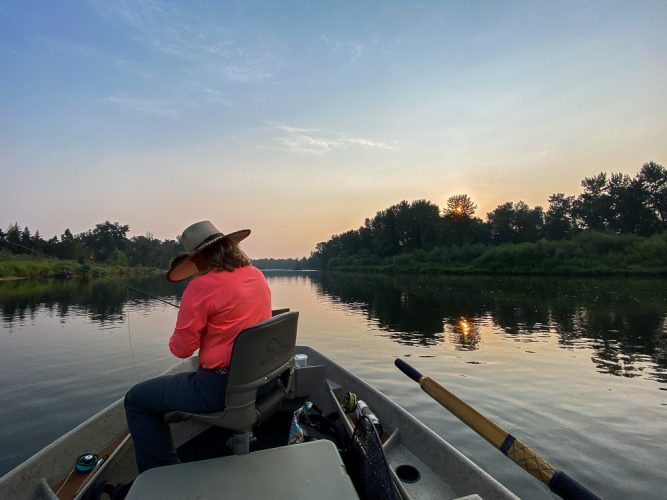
(183, 268)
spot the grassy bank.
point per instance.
(588, 254)
(25, 266)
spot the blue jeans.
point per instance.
(202, 391)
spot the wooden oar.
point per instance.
(557, 481)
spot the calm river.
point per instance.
(576, 369)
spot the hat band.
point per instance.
(208, 240)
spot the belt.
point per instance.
(222, 370)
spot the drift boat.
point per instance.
(260, 463)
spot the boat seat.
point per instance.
(260, 366)
(298, 471)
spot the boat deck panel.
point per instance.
(301, 471)
(428, 486)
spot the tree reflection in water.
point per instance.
(99, 300)
(623, 320)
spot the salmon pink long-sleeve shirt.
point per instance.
(214, 309)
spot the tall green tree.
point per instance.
(593, 206)
(653, 178)
(559, 218)
(105, 239)
(528, 222)
(460, 205)
(25, 239)
(459, 224)
(629, 207)
(69, 246)
(13, 237)
(385, 234)
(425, 223)
(501, 223)
(515, 223)
(37, 243)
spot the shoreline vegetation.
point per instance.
(616, 226)
(20, 267)
(586, 254)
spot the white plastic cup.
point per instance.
(300, 360)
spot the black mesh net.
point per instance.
(369, 469)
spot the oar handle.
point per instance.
(566, 487)
(408, 370)
(559, 482)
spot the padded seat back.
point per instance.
(261, 353)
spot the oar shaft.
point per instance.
(505, 442)
(478, 422)
(559, 482)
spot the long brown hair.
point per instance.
(225, 255)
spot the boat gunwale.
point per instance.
(54, 461)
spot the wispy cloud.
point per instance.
(206, 47)
(217, 96)
(353, 50)
(244, 73)
(143, 106)
(319, 141)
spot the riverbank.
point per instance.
(471, 271)
(16, 267)
(588, 254)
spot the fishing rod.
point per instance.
(91, 270)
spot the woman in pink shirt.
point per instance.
(226, 296)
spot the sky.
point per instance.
(299, 120)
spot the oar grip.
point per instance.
(566, 487)
(408, 370)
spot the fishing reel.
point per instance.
(349, 402)
(86, 463)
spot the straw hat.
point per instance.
(194, 239)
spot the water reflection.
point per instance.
(467, 334)
(99, 300)
(624, 321)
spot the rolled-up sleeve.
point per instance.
(191, 322)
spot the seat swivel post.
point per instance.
(241, 443)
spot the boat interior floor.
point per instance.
(212, 443)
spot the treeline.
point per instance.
(107, 243)
(620, 209)
(283, 264)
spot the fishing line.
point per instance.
(129, 337)
(65, 481)
(93, 271)
(103, 276)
